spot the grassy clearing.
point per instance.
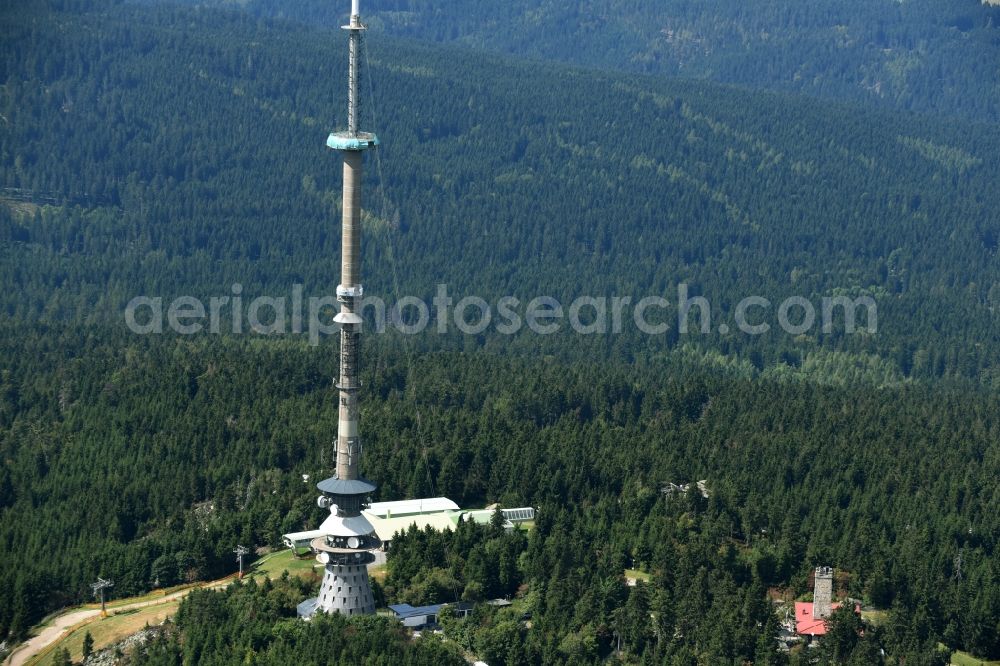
(122, 623)
(111, 605)
(875, 617)
(20, 208)
(150, 596)
(638, 575)
(108, 630)
(274, 564)
(959, 658)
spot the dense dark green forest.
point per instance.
(113, 446)
(147, 157)
(168, 151)
(256, 624)
(935, 56)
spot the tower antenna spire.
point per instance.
(348, 537)
(355, 28)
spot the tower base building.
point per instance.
(344, 550)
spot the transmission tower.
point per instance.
(345, 549)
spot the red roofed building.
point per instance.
(805, 623)
(810, 617)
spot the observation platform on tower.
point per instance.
(335, 486)
(350, 141)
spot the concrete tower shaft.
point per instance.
(349, 292)
(350, 265)
(352, 145)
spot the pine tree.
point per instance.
(496, 523)
(62, 658)
(88, 645)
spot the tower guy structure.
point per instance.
(348, 537)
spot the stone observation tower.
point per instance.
(822, 592)
(348, 537)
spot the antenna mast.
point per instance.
(352, 145)
(355, 47)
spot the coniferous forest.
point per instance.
(168, 150)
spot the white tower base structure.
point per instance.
(348, 537)
(345, 588)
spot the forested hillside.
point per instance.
(145, 160)
(257, 624)
(146, 460)
(933, 56)
(168, 151)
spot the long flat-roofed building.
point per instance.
(411, 507)
(438, 513)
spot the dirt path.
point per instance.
(64, 624)
(48, 635)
